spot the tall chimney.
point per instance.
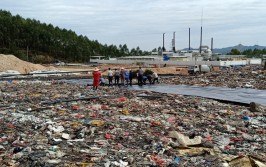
(173, 42)
(163, 43)
(189, 39)
(212, 44)
(200, 39)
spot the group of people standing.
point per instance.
(143, 78)
(122, 77)
(125, 76)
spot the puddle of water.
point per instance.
(79, 81)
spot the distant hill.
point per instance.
(228, 49)
(240, 47)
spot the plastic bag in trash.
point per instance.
(185, 140)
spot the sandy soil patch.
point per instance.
(11, 62)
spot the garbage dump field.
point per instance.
(59, 124)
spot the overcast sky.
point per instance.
(143, 22)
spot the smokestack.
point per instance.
(173, 42)
(200, 39)
(212, 44)
(163, 43)
(189, 39)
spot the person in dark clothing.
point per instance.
(149, 78)
(130, 77)
(144, 79)
(140, 76)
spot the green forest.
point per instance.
(37, 42)
(249, 53)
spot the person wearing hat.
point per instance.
(96, 78)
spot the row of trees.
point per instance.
(249, 53)
(38, 42)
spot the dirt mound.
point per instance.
(11, 62)
(170, 70)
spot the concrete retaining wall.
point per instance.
(255, 61)
(232, 63)
(158, 62)
(180, 63)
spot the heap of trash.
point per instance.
(59, 124)
(248, 77)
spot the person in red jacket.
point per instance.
(96, 78)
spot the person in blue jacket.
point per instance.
(102, 81)
(144, 79)
(127, 76)
(149, 77)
